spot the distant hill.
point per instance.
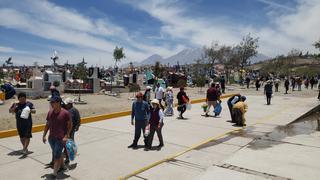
(186, 56)
(259, 58)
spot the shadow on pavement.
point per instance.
(51, 177)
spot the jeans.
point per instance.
(56, 146)
(140, 125)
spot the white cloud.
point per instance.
(296, 27)
(49, 21)
(5, 49)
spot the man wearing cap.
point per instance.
(139, 113)
(75, 116)
(59, 124)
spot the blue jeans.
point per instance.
(56, 146)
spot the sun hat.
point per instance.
(155, 101)
(68, 101)
(148, 87)
(169, 88)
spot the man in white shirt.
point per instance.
(159, 93)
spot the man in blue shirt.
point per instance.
(140, 112)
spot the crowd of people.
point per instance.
(62, 121)
(147, 115)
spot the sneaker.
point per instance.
(66, 162)
(53, 176)
(207, 115)
(160, 145)
(63, 168)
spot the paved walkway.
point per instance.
(103, 152)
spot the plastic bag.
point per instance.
(25, 113)
(71, 149)
(147, 131)
(188, 106)
(217, 110)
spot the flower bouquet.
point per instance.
(204, 107)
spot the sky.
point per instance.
(31, 30)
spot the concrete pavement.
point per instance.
(103, 152)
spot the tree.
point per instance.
(157, 70)
(213, 53)
(199, 73)
(80, 73)
(317, 44)
(229, 59)
(118, 54)
(247, 49)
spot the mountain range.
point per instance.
(186, 56)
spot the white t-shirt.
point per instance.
(161, 115)
(159, 93)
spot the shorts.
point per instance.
(24, 127)
(56, 146)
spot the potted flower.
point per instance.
(204, 107)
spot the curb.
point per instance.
(40, 127)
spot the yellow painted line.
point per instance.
(200, 144)
(40, 127)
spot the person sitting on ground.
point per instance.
(155, 123)
(239, 110)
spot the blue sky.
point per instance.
(32, 29)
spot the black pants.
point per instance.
(154, 129)
(161, 106)
(287, 89)
(182, 108)
(237, 114)
(138, 127)
(268, 98)
(277, 87)
(230, 109)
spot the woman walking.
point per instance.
(169, 102)
(155, 124)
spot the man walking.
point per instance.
(212, 97)
(159, 93)
(75, 117)
(268, 91)
(140, 113)
(286, 85)
(183, 99)
(59, 124)
(22, 110)
(223, 84)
